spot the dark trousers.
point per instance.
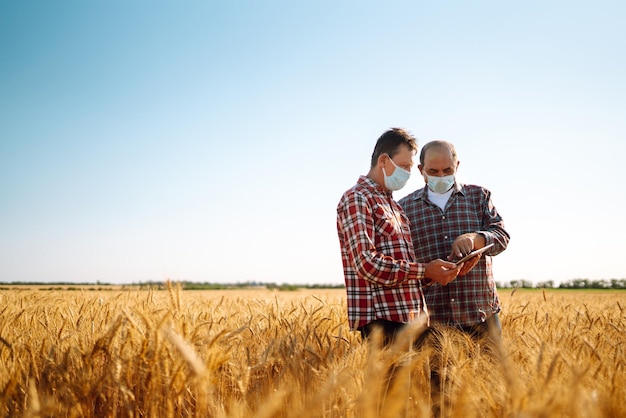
(389, 330)
(491, 329)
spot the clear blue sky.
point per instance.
(211, 141)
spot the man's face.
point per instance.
(438, 162)
(403, 159)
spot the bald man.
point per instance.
(448, 220)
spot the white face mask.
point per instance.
(440, 184)
(398, 179)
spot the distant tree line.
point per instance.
(160, 285)
(187, 285)
(570, 284)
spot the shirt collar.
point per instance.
(458, 189)
(373, 186)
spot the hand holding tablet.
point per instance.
(473, 254)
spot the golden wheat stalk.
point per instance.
(186, 350)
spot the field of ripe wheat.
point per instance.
(257, 353)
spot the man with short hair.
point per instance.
(383, 279)
(449, 220)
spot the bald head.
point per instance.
(438, 146)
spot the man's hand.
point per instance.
(442, 272)
(465, 244)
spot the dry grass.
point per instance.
(263, 354)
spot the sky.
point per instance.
(211, 141)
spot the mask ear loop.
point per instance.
(394, 164)
(384, 172)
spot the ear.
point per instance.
(419, 167)
(382, 159)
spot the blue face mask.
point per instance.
(440, 184)
(398, 179)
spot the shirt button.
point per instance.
(445, 237)
(452, 300)
(443, 218)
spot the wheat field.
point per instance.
(258, 353)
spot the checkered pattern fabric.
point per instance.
(472, 298)
(381, 275)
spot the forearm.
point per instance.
(496, 236)
(493, 228)
(383, 270)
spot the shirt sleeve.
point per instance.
(493, 226)
(357, 224)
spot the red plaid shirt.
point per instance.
(382, 277)
(472, 298)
